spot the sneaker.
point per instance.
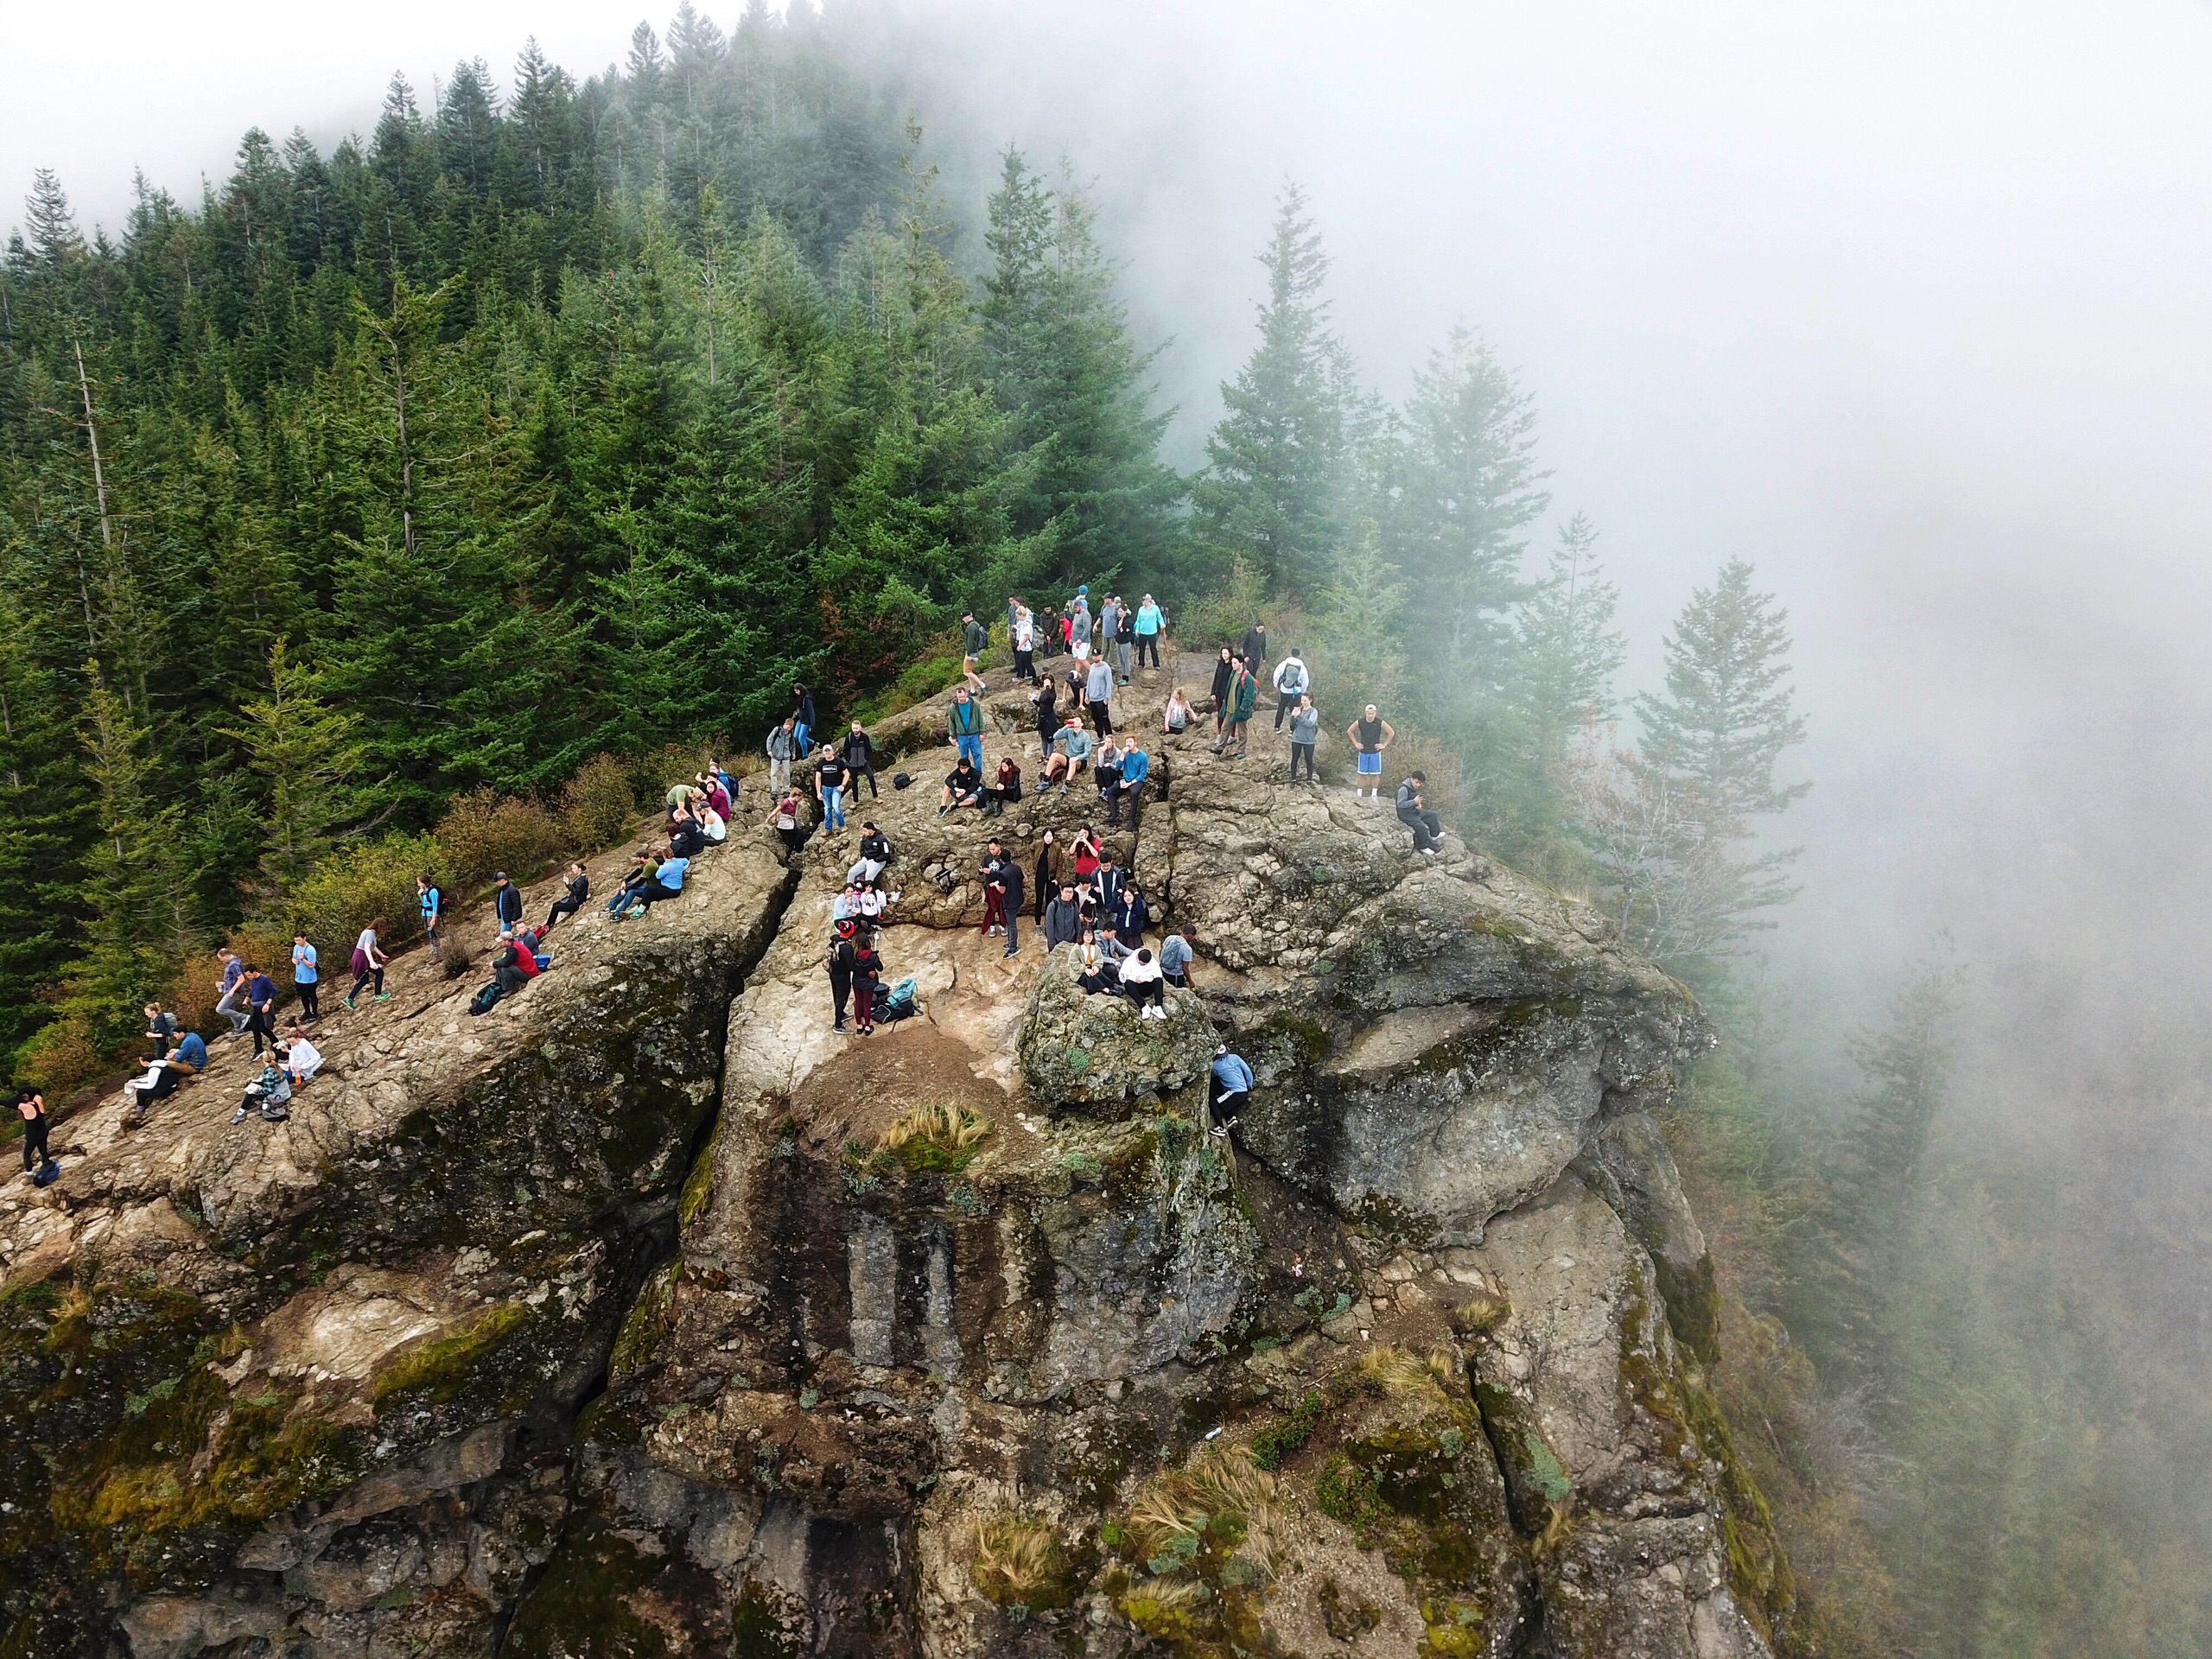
(1428, 852)
(942, 811)
(1015, 952)
(238, 1116)
(1064, 789)
(384, 996)
(841, 1029)
(348, 1001)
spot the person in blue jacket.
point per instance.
(1232, 1087)
(1136, 766)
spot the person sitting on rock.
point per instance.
(507, 966)
(1091, 969)
(875, 853)
(685, 836)
(713, 826)
(303, 1059)
(847, 903)
(1131, 917)
(1070, 755)
(874, 904)
(162, 1077)
(644, 863)
(1063, 919)
(269, 1091)
(1007, 786)
(1414, 813)
(574, 890)
(667, 882)
(964, 786)
(1140, 983)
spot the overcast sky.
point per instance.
(1907, 303)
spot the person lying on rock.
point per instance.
(964, 786)
(875, 853)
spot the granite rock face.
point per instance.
(649, 1315)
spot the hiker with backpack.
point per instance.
(783, 749)
(160, 1029)
(1292, 681)
(964, 727)
(432, 903)
(1063, 919)
(858, 753)
(30, 1106)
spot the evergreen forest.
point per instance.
(404, 505)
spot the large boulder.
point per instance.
(1094, 1052)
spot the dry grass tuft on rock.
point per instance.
(1395, 1370)
(942, 1135)
(1019, 1562)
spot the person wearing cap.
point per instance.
(507, 965)
(506, 901)
(1151, 622)
(843, 961)
(1079, 626)
(974, 640)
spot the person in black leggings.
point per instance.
(573, 900)
(30, 1106)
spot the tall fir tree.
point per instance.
(1273, 490)
(303, 752)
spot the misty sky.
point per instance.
(1911, 304)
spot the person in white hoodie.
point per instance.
(1140, 983)
(1291, 682)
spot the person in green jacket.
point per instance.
(1242, 696)
(966, 724)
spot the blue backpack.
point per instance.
(898, 1004)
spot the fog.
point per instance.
(1905, 303)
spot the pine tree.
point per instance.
(38, 785)
(1726, 715)
(1567, 650)
(304, 752)
(1278, 455)
(139, 922)
(1468, 483)
(1056, 342)
(1359, 650)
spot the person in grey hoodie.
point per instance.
(1305, 733)
(1062, 920)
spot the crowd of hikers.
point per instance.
(1073, 891)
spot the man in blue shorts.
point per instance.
(1370, 734)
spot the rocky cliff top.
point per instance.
(646, 1315)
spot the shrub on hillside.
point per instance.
(484, 832)
(353, 886)
(599, 804)
(59, 1058)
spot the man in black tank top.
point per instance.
(1370, 734)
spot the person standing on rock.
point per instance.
(1125, 639)
(1151, 622)
(1021, 636)
(964, 726)
(975, 641)
(858, 753)
(1131, 917)
(231, 976)
(507, 902)
(30, 1106)
(1063, 919)
(1079, 626)
(1412, 811)
(1254, 650)
(787, 817)
(1106, 768)
(993, 891)
(306, 977)
(1292, 681)
(783, 748)
(369, 961)
(1178, 715)
(1110, 627)
(1047, 699)
(843, 960)
(160, 1028)
(868, 983)
(830, 790)
(1232, 1088)
(802, 721)
(1370, 734)
(1243, 697)
(1004, 873)
(1175, 960)
(1224, 675)
(1098, 693)
(1052, 866)
(261, 1008)
(1304, 733)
